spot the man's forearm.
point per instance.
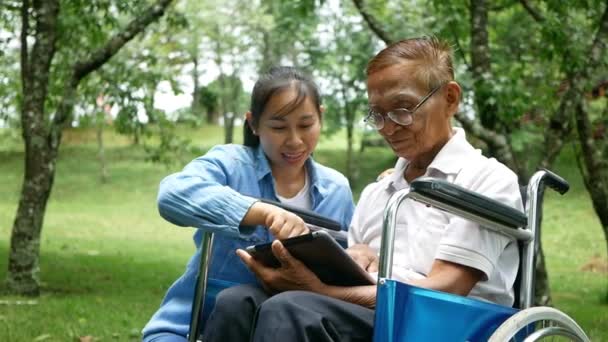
(360, 295)
(449, 277)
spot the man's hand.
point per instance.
(292, 275)
(364, 256)
(280, 222)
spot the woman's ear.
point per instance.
(249, 119)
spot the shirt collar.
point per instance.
(453, 155)
(263, 167)
(450, 159)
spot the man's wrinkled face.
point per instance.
(396, 87)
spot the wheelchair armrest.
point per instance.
(441, 191)
(555, 182)
(308, 216)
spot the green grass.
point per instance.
(107, 257)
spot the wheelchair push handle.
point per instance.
(555, 182)
(308, 216)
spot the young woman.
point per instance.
(219, 191)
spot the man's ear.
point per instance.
(249, 119)
(453, 92)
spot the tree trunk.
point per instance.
(594, 169)
(212, 116)
(228, 128)
(42, 139)
(488, 114)
(350, 167)
(481, 67)
(195, 106)
(23, 267)
(103, 175)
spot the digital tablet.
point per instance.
(322, 255)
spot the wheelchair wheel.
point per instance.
(539, 324)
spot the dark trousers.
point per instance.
(246, 313)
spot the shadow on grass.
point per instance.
(110, 297)
(67, 273)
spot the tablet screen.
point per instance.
(322, 255)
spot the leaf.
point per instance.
(42, 337)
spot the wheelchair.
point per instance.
(408, 313)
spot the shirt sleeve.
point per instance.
(199, 196)
(356, 224)
(467, 243)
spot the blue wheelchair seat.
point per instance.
(409, 313)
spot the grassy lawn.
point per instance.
(107, 257)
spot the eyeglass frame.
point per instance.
(410, 112)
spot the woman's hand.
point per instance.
(364, 256)
(292, 275)
(280, 222)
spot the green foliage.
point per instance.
(208, 99)
(530, 59)
(228, 92)
(172, 149)
(340, 64)
(126, 121)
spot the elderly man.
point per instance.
(412, 96)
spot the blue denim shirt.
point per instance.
(214, 192)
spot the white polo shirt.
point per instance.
(424, 234)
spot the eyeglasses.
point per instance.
(400, 116)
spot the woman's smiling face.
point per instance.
(289, 138)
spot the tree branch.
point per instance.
(496, 142)
(538, 17)
(373, 23)
(103, 54)
(97, 58)
(461, 51)
(559, 124)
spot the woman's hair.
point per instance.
(276, 80)
(433, 56)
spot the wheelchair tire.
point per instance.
(549, 322)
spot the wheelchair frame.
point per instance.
(491, 215)
(502, 219)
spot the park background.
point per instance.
(100, 99)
